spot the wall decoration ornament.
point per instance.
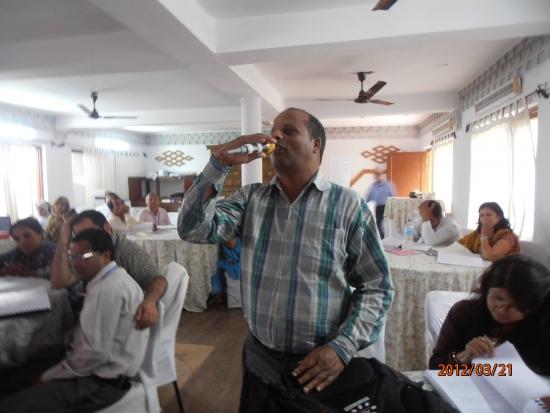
(174, 158)
(380, 153)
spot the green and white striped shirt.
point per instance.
(299, 260)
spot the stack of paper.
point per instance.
(457, 258)
(23, 302)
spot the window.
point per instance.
(503, 168)
(21, 184)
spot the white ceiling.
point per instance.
(183, 65)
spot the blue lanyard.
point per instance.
(108, 272)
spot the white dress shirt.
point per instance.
(444, 234)
(160, 218)
(106, 342)
(120, 227)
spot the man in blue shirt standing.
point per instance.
(380, 190)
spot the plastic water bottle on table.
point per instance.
(408, 234)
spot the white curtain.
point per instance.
(18, 180)
(503, 171)
(127, 165)
(99, 172)
(443, 170)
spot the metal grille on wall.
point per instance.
(379, 154)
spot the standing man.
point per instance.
(305, 243)
(380, 190)
(153, 213)
(106, 348)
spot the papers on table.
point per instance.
(391, 243)
(458, 258)
(144, 227)
(492, 393)
(401, 252)
(160, 227)
(418, 246)
(24, 301)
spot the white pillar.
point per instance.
(251, 122)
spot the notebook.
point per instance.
(33, 300)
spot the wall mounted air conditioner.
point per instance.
(443, 128)
(499, 96)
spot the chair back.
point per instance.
(438, 304)
(165, 357)
(5, 223)
(539, 252)
(143, 396)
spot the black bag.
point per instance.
(365, 386)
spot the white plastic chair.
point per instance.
(377, 350)
(165, 357)
(173, 216)
(438, 304)
(143, 395)
(539, 252)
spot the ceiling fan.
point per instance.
(384, 4)
(365, 97)
(94, 115)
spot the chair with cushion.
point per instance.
(539, 252)
(438, 304)
(173, 298)
(143, 396)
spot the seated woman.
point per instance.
(44, 209)
(33, 256)
(512, 304)
(493, 238)
(61, 210)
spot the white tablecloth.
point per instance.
(413, 277)
(6, 245)
(199, 261)
(31, 336)
(399, 210)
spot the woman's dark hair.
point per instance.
(31, 223)
(502, 224)
(526, 280)
(99, 240)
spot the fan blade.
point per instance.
(373, 90)
(119, 117)
(381, 102)
(335, 100)
(384, 5)
(85, 109)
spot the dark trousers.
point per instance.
(254, 394)
(81, 395)
(380, 220)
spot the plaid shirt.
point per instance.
(42, 260)
(298, 261)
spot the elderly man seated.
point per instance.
(105, 349)
(153, 213)
(121, 220)
(434, 229)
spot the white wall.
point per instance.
(199, 153)
(354, 148)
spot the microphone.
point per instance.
(249, 148)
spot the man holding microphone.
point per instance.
(305, 243)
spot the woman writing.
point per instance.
(33, 256)
(61, 210)
(493, 237)
(512, 304)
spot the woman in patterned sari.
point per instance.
(493, 238)
(61, 210)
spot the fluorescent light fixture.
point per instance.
(10, 131)
(427, 147)
(115, 145)
(144, 128)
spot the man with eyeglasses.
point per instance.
(127, 255)
(105, 349)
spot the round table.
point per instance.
(199, 260)
(413, 276)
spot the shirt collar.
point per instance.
(318, 180)
(97, 277)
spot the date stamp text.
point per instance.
(479, 369)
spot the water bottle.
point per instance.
(408, 234)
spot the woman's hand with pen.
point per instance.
(476, 347)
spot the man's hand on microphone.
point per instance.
(237, 158)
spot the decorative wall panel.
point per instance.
(379, 154)
(174, 158)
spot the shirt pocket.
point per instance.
(322, 250)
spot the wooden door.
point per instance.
(408, 171)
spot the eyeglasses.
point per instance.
(82, 257)
(499, 303)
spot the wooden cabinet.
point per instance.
(408, 171)
(139, 187)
